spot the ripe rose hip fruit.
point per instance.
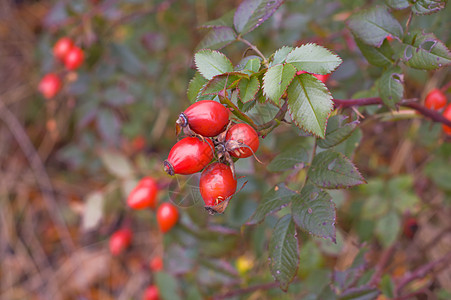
(151, 293)
(447, 114)
(74, 58)
(242, 140)
(435, 99)
(410, 227)
(156, 264)
(144, 194)
(167, 216)
(189, 155)
(207, 118)
(50, 85)
(320, 77)
(120, 240)
(217, 185)
(62, 47)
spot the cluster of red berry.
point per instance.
(436, 100)
(211, 136)
(144, 195)
(71, 56)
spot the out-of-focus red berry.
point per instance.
(167, 216)
(62, 48)
(447, 114)
(151, 293)
(435, 99)
(50, 85)
(120, 240)
(74, 58)
(156, 264)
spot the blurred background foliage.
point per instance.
(113, 124)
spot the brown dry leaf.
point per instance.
(82, 270)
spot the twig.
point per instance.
(40, 173)
(429, 113)
(253, 47)
(383, 262)
(264, 286)
(277, 118)
(423, 271)
(235, 110)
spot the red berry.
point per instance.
(320, 77)
(62, 47)
(435, 99)
(50, 85)
(167, 216)
(189, 155)
(242, 140)
(410, 227)
(120, 240)
(144, 194)
(139, 143)
(151, 293)
(217, 184)
(156, 264)
(74, 58)
(207, 118)
(389, 38)
(447, 114)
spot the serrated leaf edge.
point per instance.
(328, 50)
(210, 50)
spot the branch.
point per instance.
(264, 286)
(423, 271)
(40, 173)
(429, 113)
(277, 118)
(253, 47)
(385, 258)
(235, 110)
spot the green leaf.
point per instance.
(397, 4)
(250, 63)
(284, 252)
(337, 131)
(167, 286)
(252, 13)
(218, 38)
(373, 25)
(332, 170)
(348, 146)
(314, 212)
(194, 87)
(425, 51)
(387, 286)
(225, 21)
(276, 81)
(313, 58)
(280, 55)
(426, 7)
(380, 57)
(299, 153)
(388, 228)
(221, 82)
(248, 88)
(438, 171)
(274, 200)
(211, 63)
(116, 164)
(391, 86)
(309, 104)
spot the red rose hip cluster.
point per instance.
(210, 143)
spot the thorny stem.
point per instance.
(276, 120)
(429, 113)
(235, 110)
(253, 47)
(408, 21)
